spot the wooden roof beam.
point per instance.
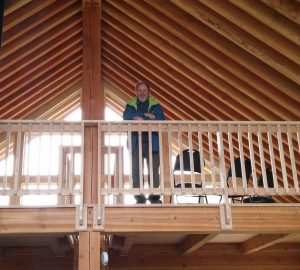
(194, 241)
(228, 48)
(42, 29)
(243, 39)
(288, 8)
(23, 57)
(271, 18)
(25, 12)
(36, 20)
(262, 241)
(40, 67)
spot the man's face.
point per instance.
(142, 92)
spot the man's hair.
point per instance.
(142, 82)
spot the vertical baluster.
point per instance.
(282, 160)
(17, 160)
(191, 156)
(181, 159)
(221, 157)
(141, 173)
(61, 160)
(231, 155)
(253, 164)
(120, 161)
(99, 164)
(50, 158)
(28, 158)
(130, 154)
(150, 169)
(161, 159)
(108, 158)
(211, 158)
(292, 158)
(241, 150)
(170, 158)
(274, 172)
(39, 154)
(262, 159)
(8, 134)
(71, 174)
(200, 146)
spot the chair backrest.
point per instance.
(270, 181)
(238, 168)
(186, 161)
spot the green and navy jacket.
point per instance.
(131, 111)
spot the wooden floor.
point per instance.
(156, 237)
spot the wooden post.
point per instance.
(92, 93)
(92, 109)
(89, 250)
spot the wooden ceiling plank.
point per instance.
(42, 100)
(41, 41)
(35, 20)
(262, 241)
(259, 30)
(268, 55)
(54, 106)
(21, 104)
(41, 29)
(228, 76)
(22, 58)
(194, 241)
(271, 18)
(288, 8)
(40, 66)
(50, 77)
(182, 57)
(193, 23)
(258, 92)
(13, 5)
(25, 12)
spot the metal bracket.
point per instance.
(226, 217)
(81, 218)
(98, 217)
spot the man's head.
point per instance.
(142, 91)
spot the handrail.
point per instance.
(272, 144)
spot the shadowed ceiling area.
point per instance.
(205, 60)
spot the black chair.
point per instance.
(260, 183)
(238, 174)
(187, 168)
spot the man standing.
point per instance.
(144, 107)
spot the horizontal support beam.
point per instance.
(205, 219)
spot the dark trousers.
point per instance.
(136, 170)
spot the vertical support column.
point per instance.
(89, 250)
(92, 109)
(92, 94)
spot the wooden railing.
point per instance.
(46, 158)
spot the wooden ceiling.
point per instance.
(205, 60)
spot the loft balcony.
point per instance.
(217, 201)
